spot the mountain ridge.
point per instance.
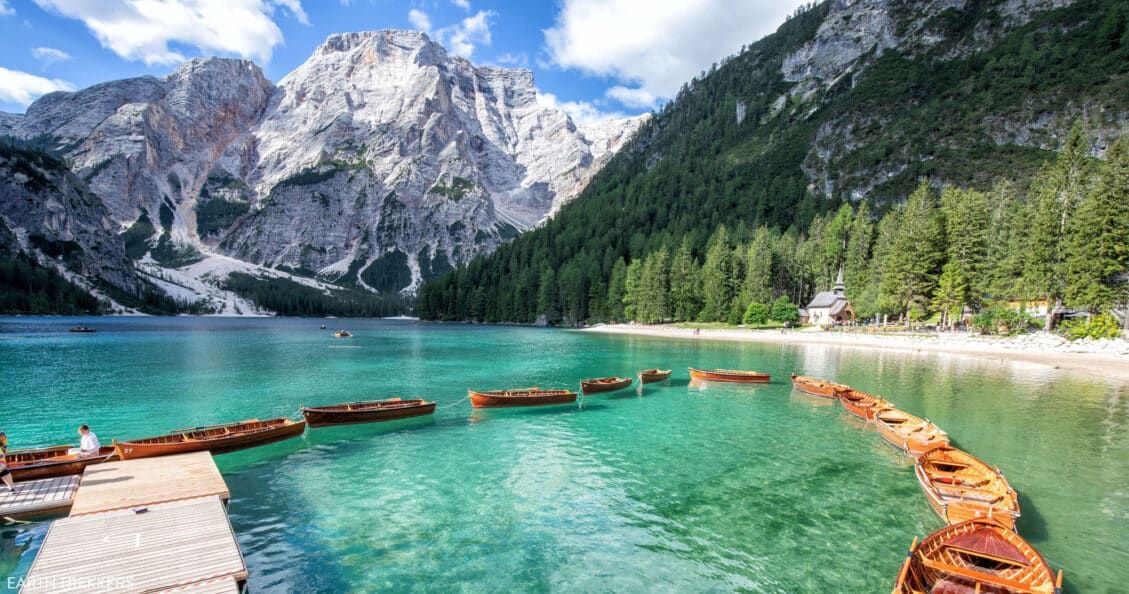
(379, 162)
(986, 90)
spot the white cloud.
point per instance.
(461, 39)
(143, 29)
(463, 4)
(22, 88)
(6, 10)
(419, 20)
(518, 59)
(294, 7)
(49, 55)
(666, 44)
(636, 98)
(581, 112)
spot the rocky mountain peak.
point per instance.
(379, 162)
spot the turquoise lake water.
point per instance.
(676, 489)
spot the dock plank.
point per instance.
(220, 586)
(135, 483)
(178, 545)
(39, 497)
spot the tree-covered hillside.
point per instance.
(945, 113)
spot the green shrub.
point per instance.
(756, 314)
(784, 311)
(1000, 319)
(1097, 327)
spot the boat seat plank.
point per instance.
(986, 578)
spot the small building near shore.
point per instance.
(830, 307)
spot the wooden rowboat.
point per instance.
(909, 433)
(604, 384)
(28, 465)
(977, 556)
(371, 411)
(729, 375)
(861, 404)
(650, 376)
(217, 439)
(520, 397)
(962, 487)
(817, 387)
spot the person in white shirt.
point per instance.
(5, 472)
(88, 444)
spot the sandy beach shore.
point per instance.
(1105, 359)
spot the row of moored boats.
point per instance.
(979, 550)
(56, 461)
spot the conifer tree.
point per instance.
(548, 296)
(717, 278)
(759, 260)
(1007, 237)
(857, 275)
(617, 291)
(631, 293)
(951, 294)
(1055, 193)
(652, 305)
(1098, 243)
(912, 266)
(966, 227)
(684, 291)
(835, 239)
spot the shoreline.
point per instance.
(1107, 360)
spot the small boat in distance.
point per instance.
(650, 376)
(371, 411)
(861, 404)
(817, 387)
(962, 487)
(519, 397)
(604, 384)
(342, 334)
(909, 433)
(217, 439)
(729, 375)
(322, 327)
(28, 465)
(82, 330)
(976, 556)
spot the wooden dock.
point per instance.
(182, 544)
(220, 586)
(132, 483)
(143, 526)
(39, 498)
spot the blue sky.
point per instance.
(597, 58)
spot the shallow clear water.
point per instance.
(752, 488)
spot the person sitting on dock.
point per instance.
(5, 472)
(88, 444)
